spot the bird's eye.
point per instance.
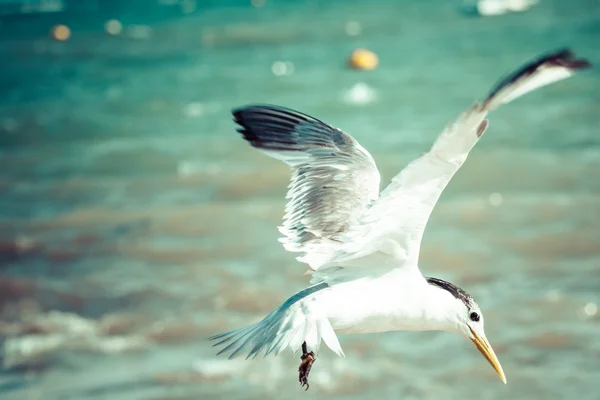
(474, 316)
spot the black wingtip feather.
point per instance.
(266, 123)
(563, 58)
(282, 129)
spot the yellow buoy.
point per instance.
(363, 59)
(61, 32)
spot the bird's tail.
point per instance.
(543, 71)
(292, 324)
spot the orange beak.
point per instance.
(486, 350)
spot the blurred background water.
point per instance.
(135, 222)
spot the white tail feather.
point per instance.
(288, 327)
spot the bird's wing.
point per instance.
(394, 224)
(334, 178)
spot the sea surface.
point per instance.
(135, 222)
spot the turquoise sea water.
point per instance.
(135, 222)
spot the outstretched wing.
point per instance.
(395, 223)
(334, 178)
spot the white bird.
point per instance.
(363, 247)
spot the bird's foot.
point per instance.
(307, 361)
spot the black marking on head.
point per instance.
(457, 292)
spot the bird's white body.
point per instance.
(357, 307)
(363, 246)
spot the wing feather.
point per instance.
(334, 179)
(334, 214)
(400, 214)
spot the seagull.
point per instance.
(363, 246)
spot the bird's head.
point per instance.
(472, 328)
(468, 320)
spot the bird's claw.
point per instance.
(307, 361)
